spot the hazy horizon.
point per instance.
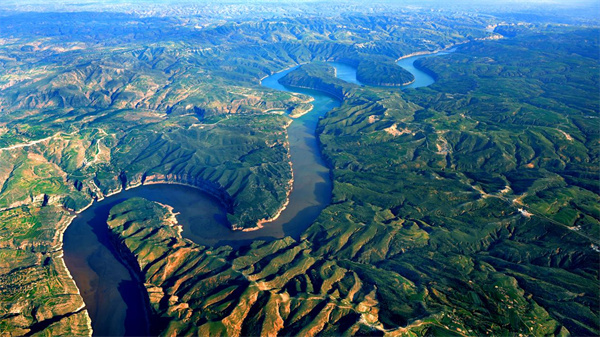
(573, 3)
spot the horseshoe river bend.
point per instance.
(115, 299)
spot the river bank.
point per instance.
(202, 217)
(104, 279)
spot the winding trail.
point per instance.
(34, 142)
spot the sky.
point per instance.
(592, 6)
(471, 2)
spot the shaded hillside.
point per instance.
(469, 207)
(436, 227)
(496, 165)
(383, 73)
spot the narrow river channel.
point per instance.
(115, 299)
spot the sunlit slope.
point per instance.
(278, 288)
(468, 207)
(481, 189)
(38, 294)
(427, 233)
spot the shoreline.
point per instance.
(223, 203)
(60, 258)
(294, 116)
(419, 53)
(384, 86)
(425, 52)
(277, 72)
(172, 218)
(319, 90)
(277, 214)
(259, 223)
(449, 48)
(300, 114)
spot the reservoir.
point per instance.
(115, 299)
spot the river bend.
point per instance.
(114, 298)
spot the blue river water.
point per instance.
(422, 79)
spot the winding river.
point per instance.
(422, 79)
(115, 299)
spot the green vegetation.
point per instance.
(269, 288)
(91, 103)
(383, 73)
(469, 207)
(494, 166)
(443, 250)
(37, 292)
(318, 76)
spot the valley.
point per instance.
(371, 188)
(101, 272)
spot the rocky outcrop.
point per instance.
(209, 187)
